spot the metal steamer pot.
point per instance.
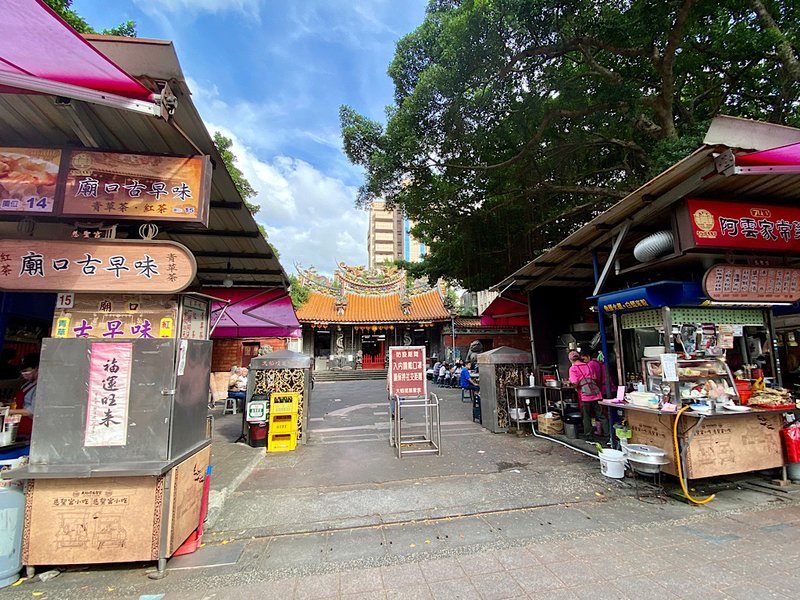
(645, 459)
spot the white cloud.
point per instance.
(309, 216)
(191, 8)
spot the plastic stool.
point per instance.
(466, 395)
(231, 406)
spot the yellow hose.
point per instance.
(678, 460)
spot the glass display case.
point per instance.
(699, 380)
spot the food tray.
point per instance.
(775, 407)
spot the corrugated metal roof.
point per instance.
(428, 306)
(232, 237)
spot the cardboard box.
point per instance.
(550, 425)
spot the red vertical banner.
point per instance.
(109, 388)
(407, 371)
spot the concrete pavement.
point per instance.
(497, 516)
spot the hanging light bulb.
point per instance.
(228, 282)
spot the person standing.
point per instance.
(589, 394)
(596, 368)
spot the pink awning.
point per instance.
(253, 313)
(510, 310)
(781, 156)
(36, 42)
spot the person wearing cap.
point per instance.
(580, 375)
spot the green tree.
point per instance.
(246, 191)
(79, 24)
(298, 293)
(516, 121)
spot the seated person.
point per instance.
(467, 382)
(237, 385)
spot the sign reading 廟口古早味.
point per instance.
(743, 225)
(137, 186)
(153, 267)
(111, 185)
(407, 371)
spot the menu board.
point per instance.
(137, 186)
(752, 284)
(28, 179)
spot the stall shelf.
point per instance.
(499, 368)
(691, 373)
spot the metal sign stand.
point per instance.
(427, 442)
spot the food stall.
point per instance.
(120, 447)
(708, 359)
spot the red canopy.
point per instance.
(36, 42)
(509, 310)
(253, 313)
(781, 156)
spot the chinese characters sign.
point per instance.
(101, 266)
(116, 317)
(407, 371)
(28, 179)
(748, 226)
(109, 388)
(137, 186)
(752, 284)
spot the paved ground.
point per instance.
(496, 516)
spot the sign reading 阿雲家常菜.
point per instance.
(153, 267)
(407, 371)
(746, 226)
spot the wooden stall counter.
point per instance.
(96, 520)
(722, 443)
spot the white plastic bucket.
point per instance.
(612, 463)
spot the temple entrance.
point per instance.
(373, 348)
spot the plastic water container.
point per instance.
(612, 463)
(12, 515)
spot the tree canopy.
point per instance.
(516, 121)
(79, 24)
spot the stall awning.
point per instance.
(253, 313)
(38, 48)
(652, 295)
(788, 155)
(508, 310)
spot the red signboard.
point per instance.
(747, 226)
(407, 371)
(742, 283)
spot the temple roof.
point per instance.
(360, 308)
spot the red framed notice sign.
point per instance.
(743, 283)
(744, 225)
(407, 372)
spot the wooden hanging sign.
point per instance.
(106, 266)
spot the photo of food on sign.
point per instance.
(28, 179)
(133, 186)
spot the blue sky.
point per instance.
(271, 75)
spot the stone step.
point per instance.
(350, 375)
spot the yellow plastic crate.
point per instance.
(283, 423)
(284, 402)
(281, 442)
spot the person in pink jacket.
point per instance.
(580, 375)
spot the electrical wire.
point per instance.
(679, 461)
